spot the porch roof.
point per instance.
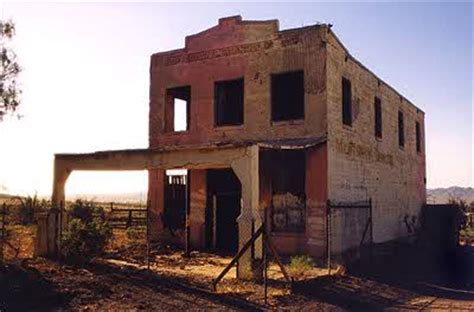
(299, 143)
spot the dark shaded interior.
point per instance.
(226, 187)
(346, 102)
(287, 96)
(229, 102)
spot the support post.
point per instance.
(265, 266)
(214, 221)
(4, 212)
(246, 169)
(187, 238)
(328, 235)
(147, 236)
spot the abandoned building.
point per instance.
(264, 119)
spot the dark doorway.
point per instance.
(223, 208)
(175, 197)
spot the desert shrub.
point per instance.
(300, 265)
(86, 234)
(86, 211)
(136, 233)
(29, 206)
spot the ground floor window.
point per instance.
(288, 191)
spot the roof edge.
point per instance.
(355, 60)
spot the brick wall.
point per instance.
(362, 166)
(235, 49)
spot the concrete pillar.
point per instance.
(316, 198)
(197, 216)
(247, 170)
(156, 199)
(61, 174)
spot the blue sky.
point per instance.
(85, 76)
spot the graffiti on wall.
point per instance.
(363, 152)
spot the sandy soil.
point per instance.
(119, 281)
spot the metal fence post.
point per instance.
(265, 266)
(4, 209)
(328, 234)
(147, 236)
(371, 234)
(187, 248)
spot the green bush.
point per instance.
(300, 265)
(87, 233)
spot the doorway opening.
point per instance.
(223, 207)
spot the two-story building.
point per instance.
(275, 120)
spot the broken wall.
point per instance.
(248, 50)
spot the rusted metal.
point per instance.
(272, 248)
(237, 256)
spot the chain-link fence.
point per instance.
(349, 227)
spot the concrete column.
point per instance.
(246, 169)
(61, 174)
(197, 217)
(156, 196)
(316, 197)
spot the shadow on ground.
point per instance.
(23, 289)
(400, 276)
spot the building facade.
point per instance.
(327, 128)
(271, 125)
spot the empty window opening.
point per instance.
(287, 96)
(288, 191)
(346, 102)
(378, 117)
(401, 130)
(180, 115)
(177, 109)
(229, 102)
(418, 137)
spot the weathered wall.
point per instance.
(230, 50)
(235, 49)
(312, 240)
(197, 219)
(362, 166)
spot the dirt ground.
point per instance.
(119, 281)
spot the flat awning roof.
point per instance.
(291, 144)
(284, 144)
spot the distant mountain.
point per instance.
(442, 195)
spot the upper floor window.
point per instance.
(401, 129)
(229, 102)
(346, 102)
(287, 96)
(418, 136)
(378, 117)
(177, 104)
